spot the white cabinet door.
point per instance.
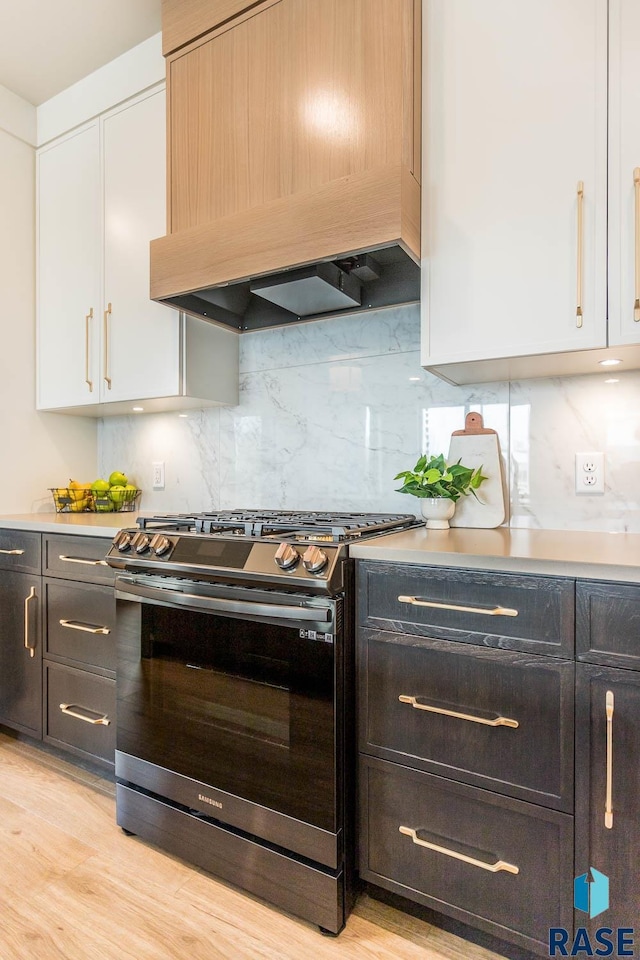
(141, 344)
(69, 241)
(515, 118)
(624, 160)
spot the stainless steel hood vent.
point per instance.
(351, 284)
(317, 289)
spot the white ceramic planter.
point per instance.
(437, 511)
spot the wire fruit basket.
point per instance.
(86, 500)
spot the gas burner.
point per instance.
(305, 526)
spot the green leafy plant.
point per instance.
(434, 478)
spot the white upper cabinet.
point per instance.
(103, 345)
(69, 251)
(515, 184)
(624, 169)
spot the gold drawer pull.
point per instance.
(87, 379)
(580, 256)
(487, 611)
(71, 709)
(636, 301)
(491, 867)
(27, 600)
(13, 553)
(608, 801)
(85, 627)
(91, 563)
(489, 722)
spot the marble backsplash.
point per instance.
(331, 410)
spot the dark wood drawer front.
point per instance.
(608, 623)
(518, 612)
(499, 719)
(20, 551)
(81, 623)
(77, 558)
(463, 821)
(77, 704)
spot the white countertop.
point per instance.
(568, 553)
(84, 524)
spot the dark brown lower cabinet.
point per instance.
(499, 864)
(608, 790)
(81, 709)
(21, 652)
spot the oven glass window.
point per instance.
(242, 706)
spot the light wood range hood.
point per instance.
(293, 159)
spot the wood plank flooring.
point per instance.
(74, 887)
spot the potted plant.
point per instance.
(439, 486)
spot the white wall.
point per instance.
(37, 450)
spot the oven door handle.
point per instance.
(127, 589)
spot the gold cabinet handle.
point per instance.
(105, 375)
(91, 563)
(432, 708)
(580, 252)
(84, 627)
(12, 553)
(72, 710)
(27, 600)
(636, 187)
(87, 379)
(608, 800)
(487, 611)
(495, 867)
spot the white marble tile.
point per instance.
(330, 411)
(334, 435)
(551, 421)
(392, 330)
(187, 444)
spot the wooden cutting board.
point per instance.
(478, 446)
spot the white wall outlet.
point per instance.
(590, 473)
(158, 475)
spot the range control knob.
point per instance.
(286, 556)
(314, 559)
(160, 544)
(122, 541)
(141, 542)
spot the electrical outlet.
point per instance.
(590, 473)
(158, 475)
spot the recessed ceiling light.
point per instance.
(138, 409)
(609, 363)
(612, 380)
(414, 378)
(183, 414)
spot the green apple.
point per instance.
(117, 494)
(100, 486)
(117, 479)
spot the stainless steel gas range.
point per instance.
(235, 720)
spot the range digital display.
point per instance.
(217, 553)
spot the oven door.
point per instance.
(227, 706)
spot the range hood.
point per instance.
(293, 159)
(206, 271)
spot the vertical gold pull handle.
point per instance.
(636, 302)
(27, 600)
(87, 379)
(105, 375)
(608, 801)
(580, 252)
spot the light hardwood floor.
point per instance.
(74, 887)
